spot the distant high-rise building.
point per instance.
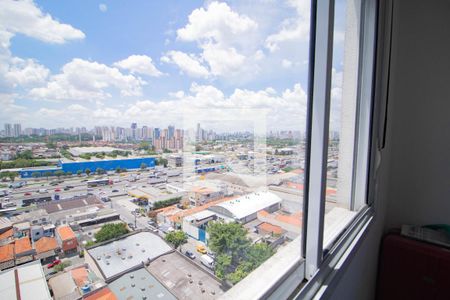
(133, 130)
(171, 132)
(8, 130)
(17, 130)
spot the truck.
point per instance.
(207, 261)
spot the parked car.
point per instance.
(27, 194)
(190, 254)
(201, 249)
(54, 263)
(115, 191)
(58, 190)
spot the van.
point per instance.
(42, 191)
(207, 261)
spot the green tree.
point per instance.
(12, 176)
(228, 238)
(68, 173)
(111, 231)
(143, 166)
(100, 171)
(87, 171)
(48, 174)
(79, 172)
(59, 173)
(62, 266)
(118, 169)
(176, 238)
(144, 145)
(27, 154)
(162, 162)
(36, 175)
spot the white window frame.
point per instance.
(310, 274)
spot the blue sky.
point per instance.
(87, 63)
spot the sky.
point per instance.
(110, 63)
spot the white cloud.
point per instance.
(102, 7)
(26, 72)
(217, 22)
(223, 38)
(26, 18)
(286, 63)
(292, 29)
(223, 61)
(85, 80)
(141, 64)
(188, 64)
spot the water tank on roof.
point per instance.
(85, 289)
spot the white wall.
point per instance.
(415, 185)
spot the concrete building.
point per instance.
(111, 260)
(245, 208)
(23, 251)
(67, 239)
(26, 282)
(39, 231)
(195, 224)
(139, 284)
(47, 249)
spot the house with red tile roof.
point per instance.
(23, 251)
(102, 294)
(46, 248)
(67, 239)
(7, 256)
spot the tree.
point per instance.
(228, 238)
(176, 238)
(144, 145)
(118, 169)
(110, 231)
(87, 171)
(79, 172)
(59, 173)
(162, 162)
(143, 166)
(12, 176)
(68, 173)
(36, 175)
(48, 174)
(100, 171)
(27, 154)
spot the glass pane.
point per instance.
(339, 210)
(181, 124)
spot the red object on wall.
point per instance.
(411, 269)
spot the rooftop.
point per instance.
(7, 234)
(30, 283)
(139, 284)
(126, 253)
(76, 151)
(185, 279)
(103, 294)
(45, 244)
(6, 252)
(23, 245)
(66, 233)
(249, 204)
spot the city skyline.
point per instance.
(160, 68)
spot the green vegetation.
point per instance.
(79, 172)
(59, 173)
(167, 151)
(87, 171)
(144, 146)
(60, 137)
(236, 256)
(11, 175)
(161, 162)
(110, 231)
(176, 238)
(100, 171)
(27, 154)
(165, 203)
(62, 266)
(36, 175)
(143, 166)
(66, 154)
(288, 169)
(23, 163)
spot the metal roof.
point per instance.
(248, 204)
(139, 284)
(30, 281)
(124, 254)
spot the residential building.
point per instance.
(67, 239)
(47, 249)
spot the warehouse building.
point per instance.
(245, 208)
(75, 166)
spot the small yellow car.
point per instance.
(201, 249)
